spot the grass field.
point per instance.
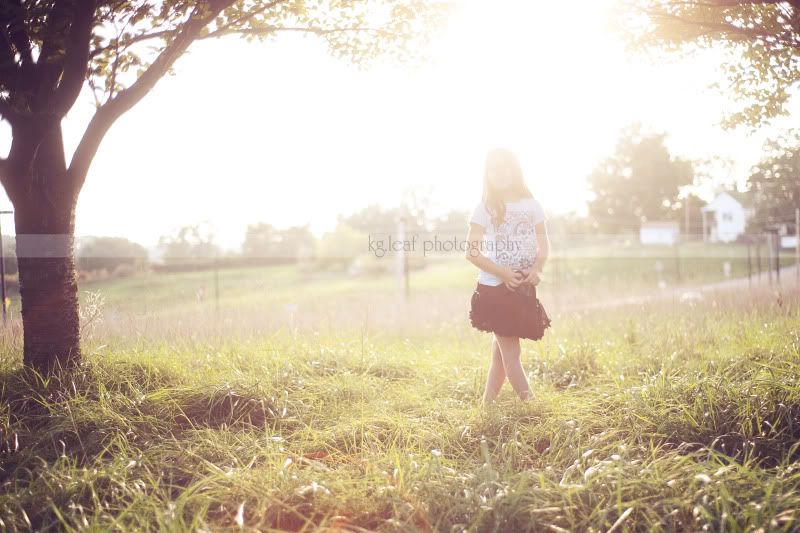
(330, 403)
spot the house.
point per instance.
(725, 217)
(789, 241)
(659, 232)
(786, 233)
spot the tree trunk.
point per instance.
(47, 283)
(42, 188)
(44, 216)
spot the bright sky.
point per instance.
(282, 132)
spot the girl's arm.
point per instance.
(473, 255)
(543, 250)
(543, 247)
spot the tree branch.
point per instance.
(26, 137)
(49, 64)
(250, 14)
(131, 41)
(115, 65)
(267, 30)
(108, 113)
(17, 33)
(724, 3)
(735, 3)
(6, 53)
(166, 33)
(754, 33)
(8, 113)
(55, 29)
(76, 58)
(9, 69)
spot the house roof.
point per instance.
(742, 198)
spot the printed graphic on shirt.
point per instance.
(513, 244)
(515, 240)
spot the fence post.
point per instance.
(769, 257)
(758, 256)
(402, 258)
(3, 271)
(777, 258)
(216, 283)
(3, 277)
(749, 266)
(797, 244)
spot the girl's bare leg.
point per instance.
(497, 375)
(510, 351)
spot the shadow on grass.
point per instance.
(81, 413)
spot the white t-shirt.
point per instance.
(513, 244)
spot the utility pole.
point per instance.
(774, 253)
(686, 214)
(402, 257)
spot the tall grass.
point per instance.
(666, 416)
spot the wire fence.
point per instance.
(401, 254)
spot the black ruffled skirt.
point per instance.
(507, 312)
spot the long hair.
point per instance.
(494, 199)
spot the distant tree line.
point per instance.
(347, 244)
(640, 181)
(94, 257)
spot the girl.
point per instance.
(510, 224)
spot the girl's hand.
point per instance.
(511, 279)
(532, 278)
